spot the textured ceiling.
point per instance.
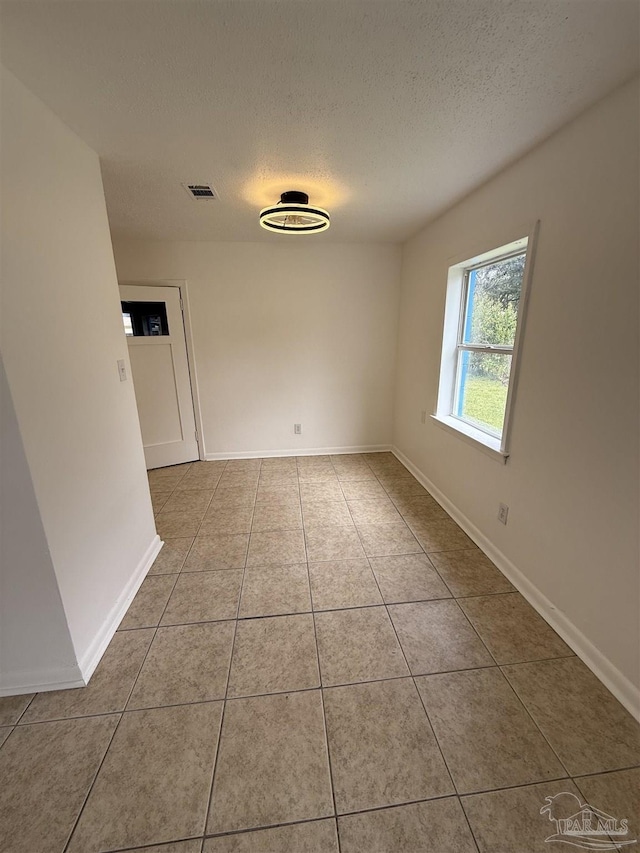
(384, 112)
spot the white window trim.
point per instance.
(443, 416)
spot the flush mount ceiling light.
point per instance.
(293, 215)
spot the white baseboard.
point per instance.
(298, 451)
(622, 688)
(37, 681)
(93, 655)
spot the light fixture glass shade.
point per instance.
(294, 215)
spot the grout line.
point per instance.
(226, 689)
(133, 686)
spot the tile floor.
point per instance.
(318, 660)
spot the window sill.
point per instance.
(475, 437)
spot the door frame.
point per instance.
(182, 285)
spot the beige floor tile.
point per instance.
(277, 515)
(272, 764)
(192, 846)
(510, 821)
(374, 511)
(512, 630)
(200, 478)
(470, 572)
(274, 655)
(51, 767)
(317, 475)
(419, 510)
(173, 525)
(276, 547)
(350, 473)
(487, 737)
(322, 491)
(587, 727)
(109, 687)
(358, 645)
(334, 542)
(12, 707)
(240, 466)
(215, 552)
(394, 473)
(278, 491)
(363, 490)
(438, 826)
(171, 558)
(186, 663)
(382, 749)
(281, 476)
(189, 500)
(243, 479)
(159, 499)
(382, 540)
(204, 597)
(318, 836)
(275, 590)
(397, 488)
(234, 495)
(5, 731)
(222, 519)
(440, 534)
(343, 583)
(326, 513)
(617, 794)
(408, 577)
(167, 478)
(160, 762)
(436, 637)
(148, 605)
(278, 463)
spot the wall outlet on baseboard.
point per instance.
(423, 416)
(297, 429)
(503, 513)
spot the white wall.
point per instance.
(572, 478)
(40, 652)
(284, 333)
(61, 337)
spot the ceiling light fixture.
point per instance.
(293, 215)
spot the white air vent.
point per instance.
(201, 192)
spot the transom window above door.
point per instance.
(144, 319)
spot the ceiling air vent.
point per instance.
(201, 192)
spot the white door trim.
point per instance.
(191, 360)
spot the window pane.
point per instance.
(493, 296)
(128, 328)
(142, 319)
(481, 390)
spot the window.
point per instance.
(144, 319)
(486, 298)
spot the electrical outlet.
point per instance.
(297, 429)
(122, 370)
(423, 417)
(503, 513)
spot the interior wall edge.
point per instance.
(612, 678)
(104, 634)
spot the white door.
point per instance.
(160, 371)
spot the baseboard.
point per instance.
(298, 451)
(618, 683)
(38, 681)
(93, 655)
